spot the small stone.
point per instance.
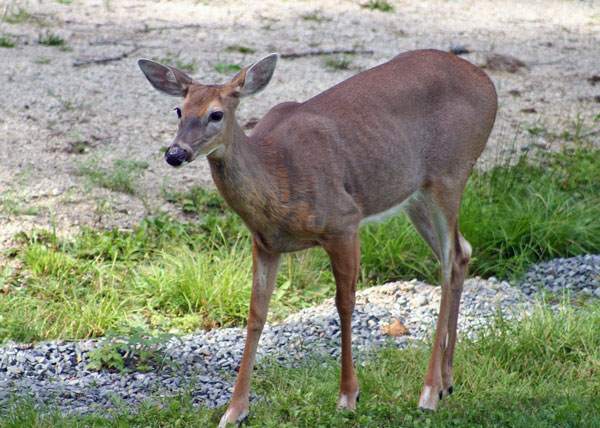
(420, 301)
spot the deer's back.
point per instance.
(384, 133)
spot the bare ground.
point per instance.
(57, 117)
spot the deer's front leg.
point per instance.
(265, 266)
(345, 259)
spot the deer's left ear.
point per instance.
(165, 78)
(255, 78)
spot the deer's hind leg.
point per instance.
(435, 217)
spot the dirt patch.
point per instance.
(58, 119)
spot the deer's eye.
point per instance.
(216, 116)
(178, 110)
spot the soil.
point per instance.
(56, 117)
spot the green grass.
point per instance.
(19, 16)
(50, 39)
(172, 59)
(120, 178)
(240, 49)
(381, 5)
(342, 63)
(542, 207)
(224, 67)
(6, 43)
(541, 371)
(166, 274)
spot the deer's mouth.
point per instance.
(176, 156)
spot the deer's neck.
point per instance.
(240, 174)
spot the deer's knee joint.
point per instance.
(256, 325)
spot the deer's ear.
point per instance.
(166, 79)
(255, 78)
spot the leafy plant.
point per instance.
(381, 5)
(240, 48)
(138, 351)
(223, 67)
(6, 43)
(342, 63)
(50, 39)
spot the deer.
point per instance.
(402, 136)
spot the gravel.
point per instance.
(577, 276)
(204, 364)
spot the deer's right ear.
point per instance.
(255, 78)
(166, 79)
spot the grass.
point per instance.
(224, 67)
(544, 206)
(172, 59)
(381, 5)
(19, 16)
(6, 43)
(120, 178)
(166, 274)
(240, 49)
(50, 39)
(342, 63)
(541, 371)
(315, 15)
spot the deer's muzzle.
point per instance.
(175, 156)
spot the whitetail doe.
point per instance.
(402, 135)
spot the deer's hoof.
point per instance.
(347, 403)
(429, 398)
(229, 418)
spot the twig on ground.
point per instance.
(592, 132)
(123, 43)
(147, 28)
(325, 52)
(107, 59)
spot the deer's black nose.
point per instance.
(175, 156)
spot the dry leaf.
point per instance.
(395, 329)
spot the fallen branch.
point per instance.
(147, 28)
(325, 52)
(592, 132)
(107, 59)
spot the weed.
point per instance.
(189, 66)
(43, 60)
(6, 43)
(381, 5)
(171, 58)
(342, 63)
(119, 179)
(316, 16)
(137, 351)
(50, 39)
(224, 67)
(240, 48)
(18, 17)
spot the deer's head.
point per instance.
(207, 113)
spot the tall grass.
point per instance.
(542, 207)
(165, 274)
